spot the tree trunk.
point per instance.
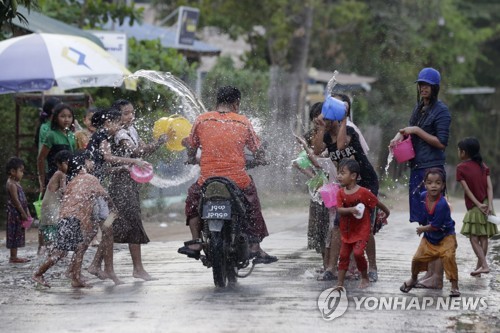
(287, 100)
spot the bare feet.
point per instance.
(365, 283)
(480, 270)
(112, 276)
(40, 280)
(143, 275)
(97, 272)
(18, 260)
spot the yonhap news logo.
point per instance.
(333, 303)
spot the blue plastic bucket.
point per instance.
(333, 109)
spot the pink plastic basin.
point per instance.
(403, 151)
(141, 175)
(328, 193)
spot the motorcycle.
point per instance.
(223, 213)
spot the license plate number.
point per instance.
(220, 210)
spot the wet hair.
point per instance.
(228, 95)
(57, 110)
(62, 156)
(119, 103)
(102, 115)
(344, 98)
(351, 165)
(77, 163)
(315, 110)
(471, 147)
(13, 163)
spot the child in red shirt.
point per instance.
(354, 223)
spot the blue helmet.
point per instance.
(429, 75)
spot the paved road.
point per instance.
(275, 298)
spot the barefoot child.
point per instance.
(439, 241)
(17, 209)
(474, 176)
(76, 227)
(52, 200)
(354, 224)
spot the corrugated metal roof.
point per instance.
(167, 36)
(344, 79)
(37, 22)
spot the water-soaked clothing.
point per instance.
(222, 138)
(124, 191)
(15, 230)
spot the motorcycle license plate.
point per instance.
(220, 210)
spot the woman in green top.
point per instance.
(59, 137)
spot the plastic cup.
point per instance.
(361, 209)
(494, 219)
(303, 161)
(27, 223)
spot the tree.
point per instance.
(8, 10)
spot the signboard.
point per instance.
(115, 43)
(186, 25)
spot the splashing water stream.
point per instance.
(191, 107)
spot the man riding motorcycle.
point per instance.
(222, 135)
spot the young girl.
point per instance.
(76, 226)
(60, 137)
(17, 208)
(354, 230)
(83, 136)
(474, 176)
(439, 241)
(108, 123)
(124, 190)
(52, 199)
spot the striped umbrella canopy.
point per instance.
(38, 62)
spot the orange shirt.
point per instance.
(222, 138)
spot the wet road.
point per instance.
(277, 297)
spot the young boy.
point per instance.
(354, 223)
(52, 201)
(439, 241)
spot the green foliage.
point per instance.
(8, 10)
(90, 14)
(252, 84)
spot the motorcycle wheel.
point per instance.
(219, 259)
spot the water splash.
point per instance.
(189, 173)
(331, 83)
(190, 108)
(389, 160)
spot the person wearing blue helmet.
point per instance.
(429, 127)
